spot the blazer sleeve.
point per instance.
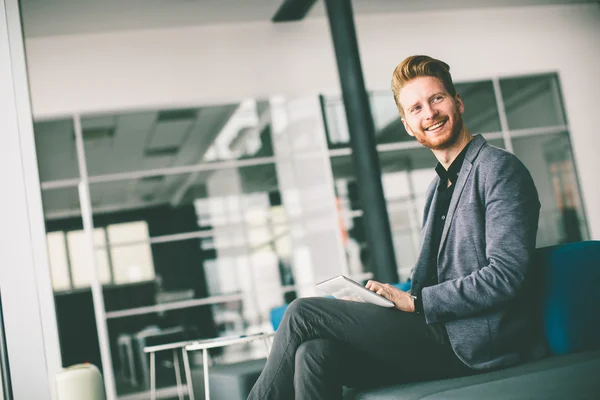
(511, 221)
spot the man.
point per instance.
(465, 311)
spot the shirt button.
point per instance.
(443, 217)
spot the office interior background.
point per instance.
(208, 148)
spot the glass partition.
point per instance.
(532, 102)
(55, 146)
(540, 138)
(147, 140)
(205, 219)
(549, 160)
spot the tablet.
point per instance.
(345, 288)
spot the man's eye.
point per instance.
(437, 98)
(415, 109)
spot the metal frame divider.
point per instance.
(96, 287)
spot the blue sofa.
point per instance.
(565, 289)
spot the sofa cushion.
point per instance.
(573, 381)
(574, 372)
(571, 298)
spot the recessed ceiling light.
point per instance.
(177, 115)
(161, 151)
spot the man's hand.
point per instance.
(402, 300)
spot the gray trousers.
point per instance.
(323, 344)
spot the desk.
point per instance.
(196, 345)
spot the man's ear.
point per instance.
(407, 127)
(460, 104)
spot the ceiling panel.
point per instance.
(103, 121)
(122, 152)
(55, 144)
(112, 193)
(387, 6)
(59, 200)
(169, 134)
(156, 162)
(127, 151)
(67, 17)
(211, 122)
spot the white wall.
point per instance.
(215, 64)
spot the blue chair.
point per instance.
(571, 296)
(564, 293)
(277, 315)
(404, 286)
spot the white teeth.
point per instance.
(436, 126)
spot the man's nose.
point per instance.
(429, 112)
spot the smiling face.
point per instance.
(430, 113)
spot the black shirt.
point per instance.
(444, 194)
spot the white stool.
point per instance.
(81, 381)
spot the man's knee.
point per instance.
(303, 307)
(314, 354)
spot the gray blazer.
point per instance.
(486, 249)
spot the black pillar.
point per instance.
(362, 140)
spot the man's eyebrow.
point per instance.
(430, 97)
(414, 104)
(437, 94)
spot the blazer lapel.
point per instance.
(465, 171)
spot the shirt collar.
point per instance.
(452, 172)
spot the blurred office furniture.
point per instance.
(153, 336)
(130, 309)
(126, 358)
(81, 381)
(176, 349)
(564, 292)
(234, 381)
(230, 381)
(242, 375)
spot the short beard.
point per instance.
(454, 136)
